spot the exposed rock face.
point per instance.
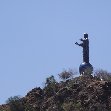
(79, 94)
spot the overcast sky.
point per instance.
(37, 40)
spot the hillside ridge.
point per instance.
(77, 94)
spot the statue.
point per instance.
(85, 68)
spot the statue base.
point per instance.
(85, 69)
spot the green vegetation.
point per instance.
(84, 93)
(15, 103)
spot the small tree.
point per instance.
(15, 103)
(50, 86)
(50, 80)
(66, 75)
(102, 75)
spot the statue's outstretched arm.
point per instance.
(79, 44)
(76, 43)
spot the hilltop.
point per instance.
(76, 94)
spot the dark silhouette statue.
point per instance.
(85, 46)
(85, 67)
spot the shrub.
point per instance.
(50, 80)
(102, 75)
(15, 103)
(65, 75)
(50, 86)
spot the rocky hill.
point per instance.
(77, 94)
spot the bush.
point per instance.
(50, 86)
(102, 75)
(50, 80)
(15, 103)
(65, 75)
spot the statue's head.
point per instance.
(85, 35)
